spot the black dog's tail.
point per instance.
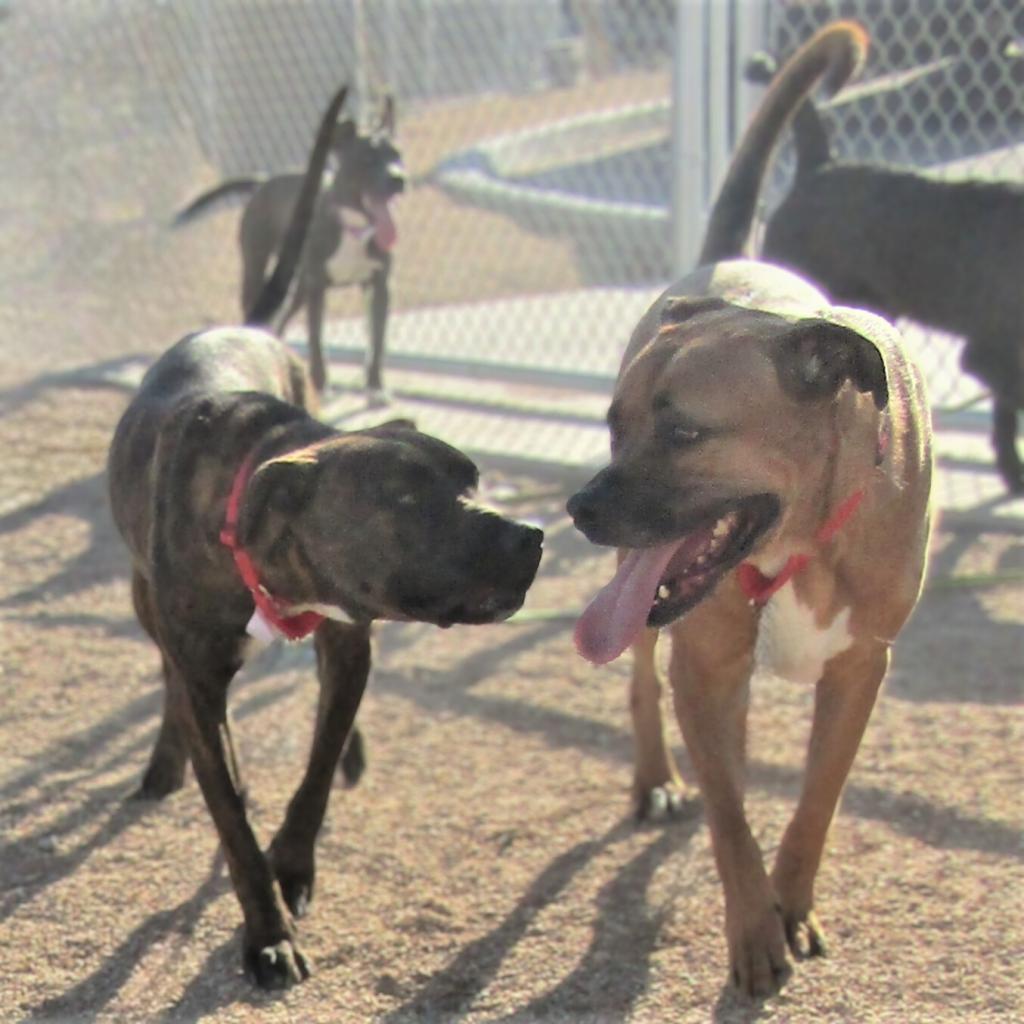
(233, 188)
(810, 137)
(831, 56)
(274, 292)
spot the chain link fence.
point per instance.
(538, 135)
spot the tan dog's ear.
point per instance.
(273, 494)
(817, 357)
(679, 309)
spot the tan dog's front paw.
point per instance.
(804, 935)
(757, 953)
(658, 802)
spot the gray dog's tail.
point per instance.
(810, 137)
(275, 289)
(232, 189)
(830, 57)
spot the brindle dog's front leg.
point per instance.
(271, 955)
(842, 705)
(343, 664)
(711, 691)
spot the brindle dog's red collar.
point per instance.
(758, 588)
(273, 610)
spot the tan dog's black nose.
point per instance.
(582, 511)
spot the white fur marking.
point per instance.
(790, 644)
(328, 611)
(349, 263)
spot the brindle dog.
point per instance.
(769, 496)
(247, 517)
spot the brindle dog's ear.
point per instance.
(679, 309)
(274, 493)
(817, 357)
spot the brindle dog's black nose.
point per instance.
(523, 540)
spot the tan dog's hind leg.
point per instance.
(711, 692)
(657, 788)
(843, 701)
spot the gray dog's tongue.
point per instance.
(617, 614)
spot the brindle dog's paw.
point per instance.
(296, 891)
(294, 879)
(659, 803)
(277, 967)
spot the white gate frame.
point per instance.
(711, 104)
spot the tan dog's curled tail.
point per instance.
(832, 56)
(275, 290)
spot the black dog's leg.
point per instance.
(377, 294)
(316, 292)
(203, 668)
(1004, 440)
(343, 665)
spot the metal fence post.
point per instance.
(688, 136)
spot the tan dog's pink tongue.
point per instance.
(617, 614)
(385, 233)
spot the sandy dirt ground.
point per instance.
(486, 868)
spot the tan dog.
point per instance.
(768, 492)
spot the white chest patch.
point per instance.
(792, 645)
(349, 263)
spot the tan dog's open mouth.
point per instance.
(654, 586)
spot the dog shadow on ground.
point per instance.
(949, 664)
(119, 374)
(100, 987)
(612, 973)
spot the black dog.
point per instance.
(350, 239)
(947, 254)
(246, 517)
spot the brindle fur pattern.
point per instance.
(371, 524)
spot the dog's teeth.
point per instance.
(663, 591)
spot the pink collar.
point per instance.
(272, 610)
(758, 588)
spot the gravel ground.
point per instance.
(485, 869)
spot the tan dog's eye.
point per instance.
(682, 437)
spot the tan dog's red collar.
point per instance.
(271, 612)
(758, 588)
